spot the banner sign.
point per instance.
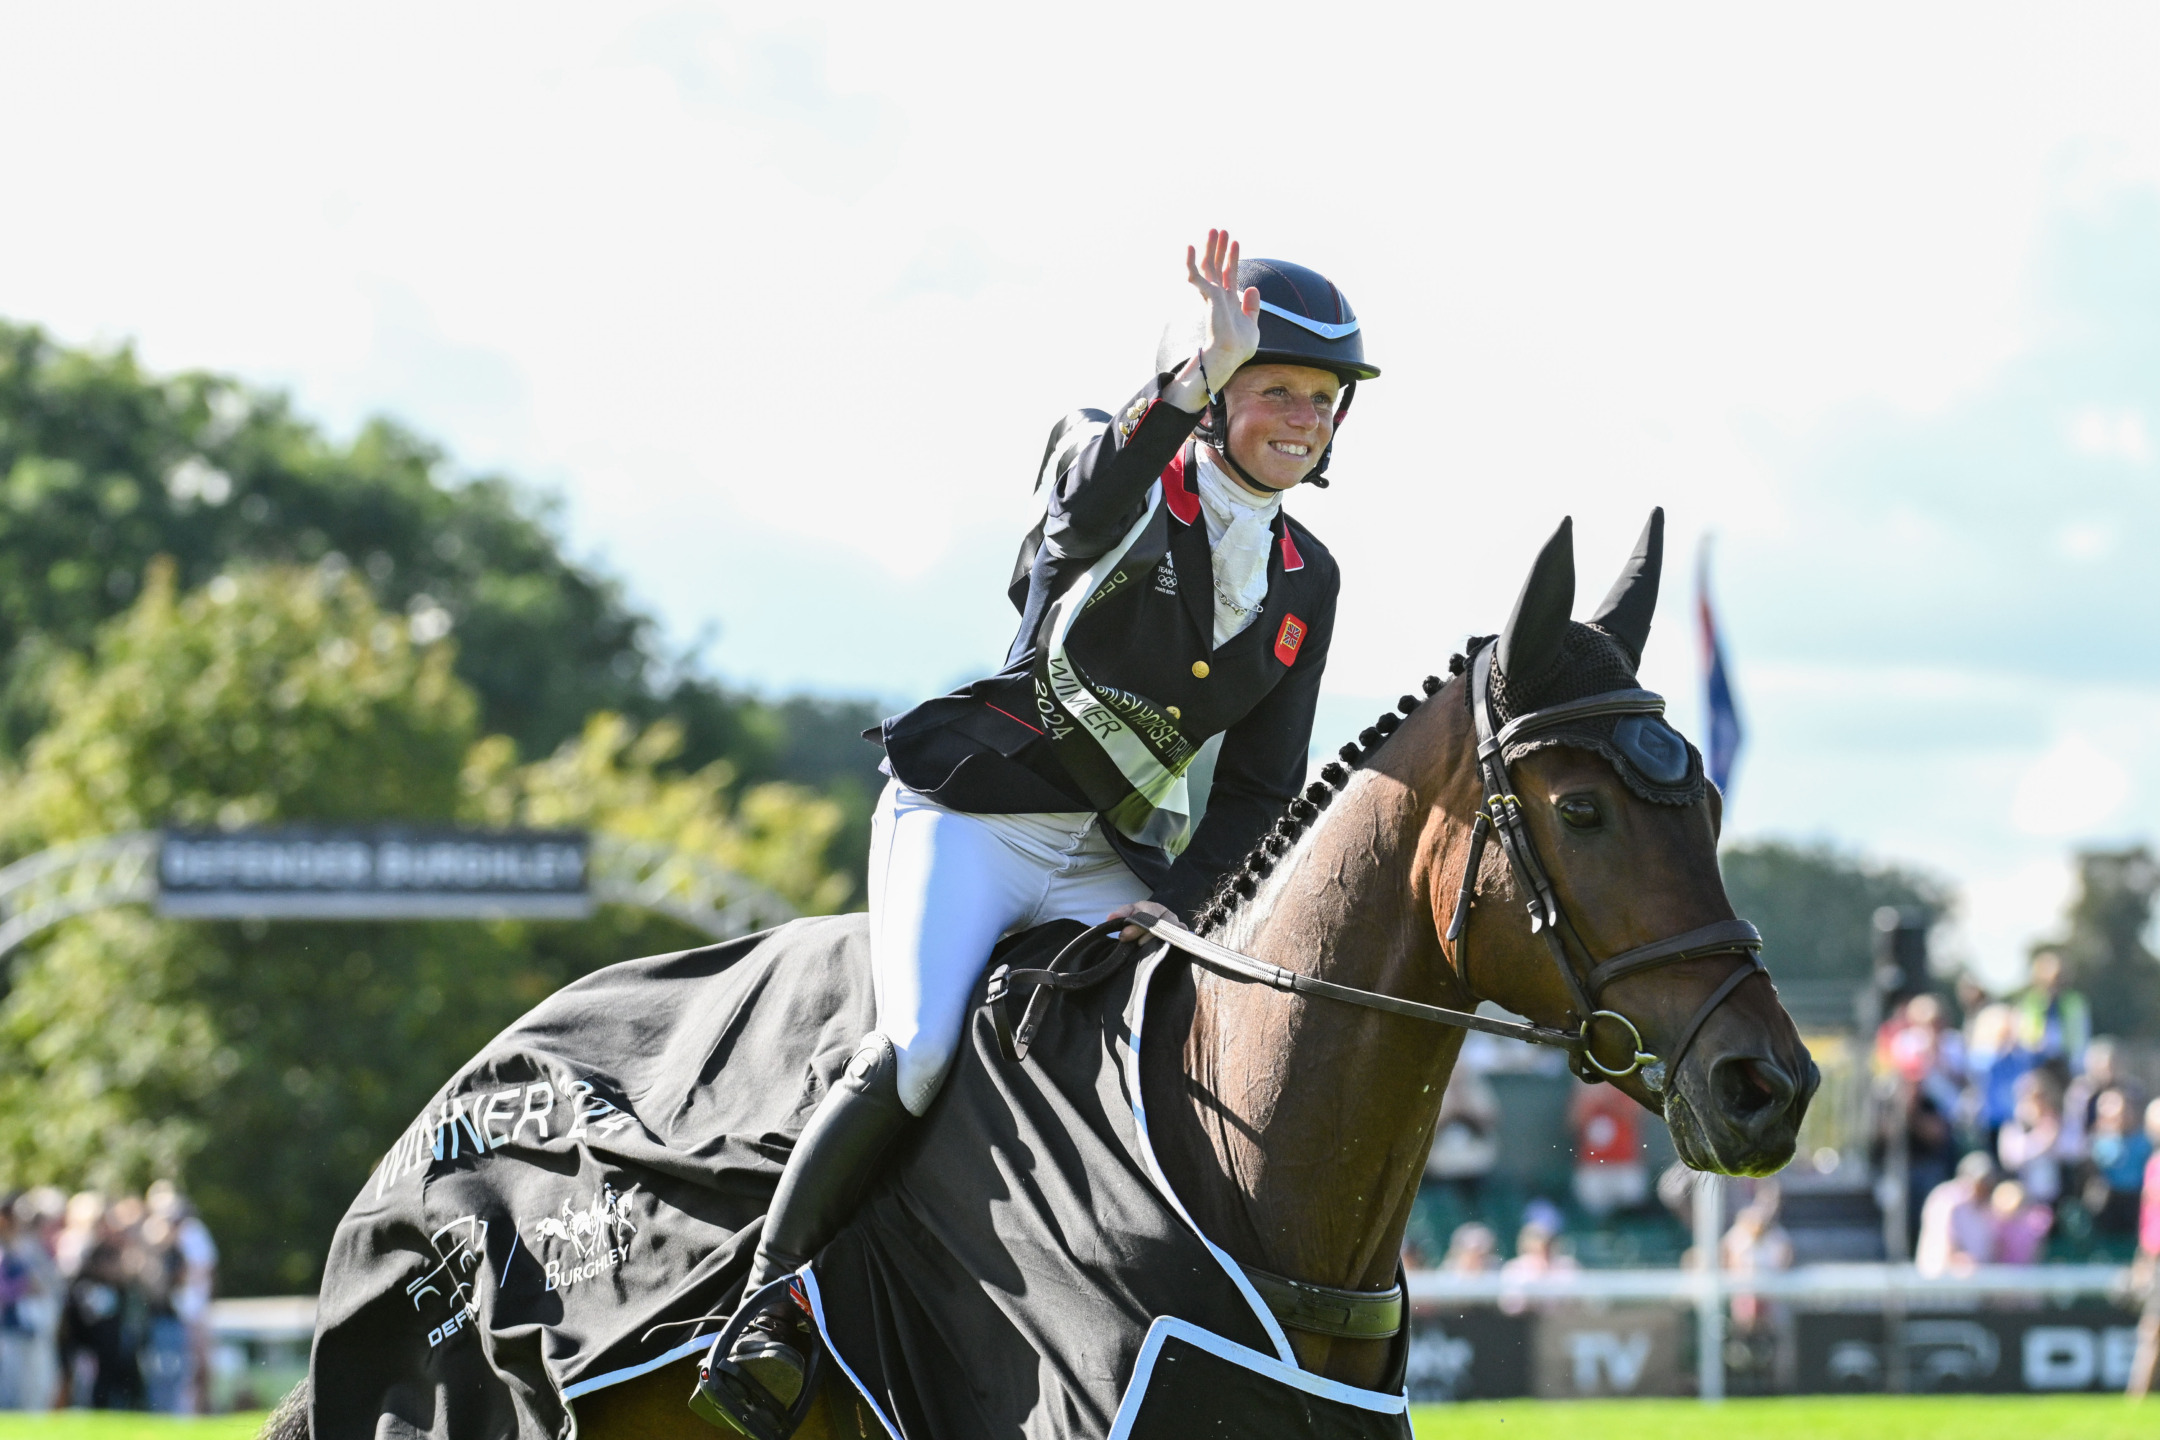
(1568, 1352)
(2032, 1350)
(1477, 1353)
(1580, 1353)
(1565, 1351)
(374, 873)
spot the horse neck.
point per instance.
(1304, 1124)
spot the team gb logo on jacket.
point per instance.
(1289, 638)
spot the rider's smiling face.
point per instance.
(1281, 418)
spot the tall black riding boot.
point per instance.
(839, 1154)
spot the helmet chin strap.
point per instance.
(1240, 471)
(1218, 440)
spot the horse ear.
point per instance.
(1540, 621)
(1628, 606)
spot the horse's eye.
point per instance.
(1580, 811)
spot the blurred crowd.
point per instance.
(1993, 1140)
(2017, 1127)
(2011, 1127)
(105, 1302)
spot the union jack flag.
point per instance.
(1722, 743)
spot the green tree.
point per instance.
(103, 466)
(262, 697)
(106, 466)
(267, 1066)
(614, 778)
(1816, 907)
(2104, 952)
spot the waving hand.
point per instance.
(1233, 319)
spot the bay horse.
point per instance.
(1295, 1128)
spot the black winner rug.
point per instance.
(578, 1206)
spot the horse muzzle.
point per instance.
(1740, 1114)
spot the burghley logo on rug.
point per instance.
(598, 1237)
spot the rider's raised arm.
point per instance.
(1098, 499)
(1259, 771)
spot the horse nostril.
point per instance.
(1750, 1088)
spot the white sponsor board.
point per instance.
(374, 873)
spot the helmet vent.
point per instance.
(1321, 328)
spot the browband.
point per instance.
(1611, 702)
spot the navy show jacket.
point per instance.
(987, 748)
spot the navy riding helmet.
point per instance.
(1304, 320)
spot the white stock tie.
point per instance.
(1239, 534)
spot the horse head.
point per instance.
(1619, 811)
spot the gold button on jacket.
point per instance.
(1199, 669)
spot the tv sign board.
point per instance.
(374, 873)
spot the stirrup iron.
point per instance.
(727, 1396)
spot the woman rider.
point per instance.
(1170, 601)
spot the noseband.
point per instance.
(1503, 816)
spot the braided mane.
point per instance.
(1242, 882)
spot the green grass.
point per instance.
(1813, 1417)
(1948, 1417)
(81, 1425)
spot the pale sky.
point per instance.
(782, 308)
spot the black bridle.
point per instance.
(1503, 816)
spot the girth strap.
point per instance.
(1325, 1310)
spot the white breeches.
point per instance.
(944, 888)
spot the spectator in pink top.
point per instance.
(2030, 1145)
(2147, 1271)
(1472, 1250)
(1957, 1228)
(2021, 1225)
(1537, 1255)
(2149, 1211)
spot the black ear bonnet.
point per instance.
(1556, 659)
(1655, 760)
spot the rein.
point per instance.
(1233, 965)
